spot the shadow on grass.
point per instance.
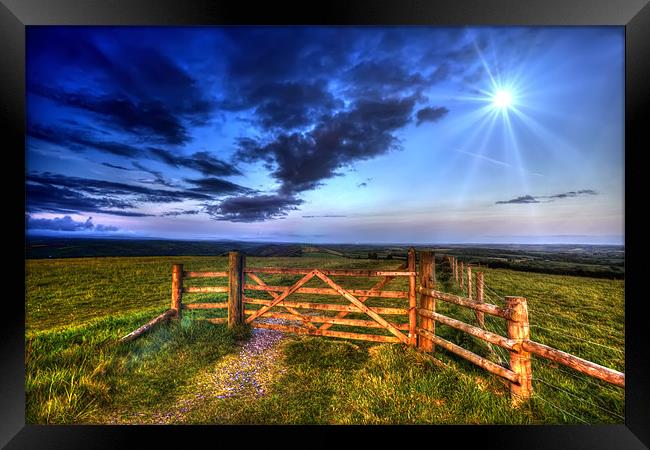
(83, 375)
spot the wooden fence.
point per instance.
(518, 342)
(420, 330)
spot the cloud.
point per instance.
(217, 186)
(66, 223)
(189, 212)
(573, 194)
(79, 140)
(535, 199)
(522, 199)
(431, 114)
(150, 117)
(302, 161)
(115, 166)
(47, 192)
(129, 86)
(364, 183)
(380, 77)
(202, 162)
(158, 176)
(285, 105)
(50, 198)
(253, 208)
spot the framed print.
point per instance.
(340, 216)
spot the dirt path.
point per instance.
(248, 372)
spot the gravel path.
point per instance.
(247, 373)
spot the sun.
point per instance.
(502, 99)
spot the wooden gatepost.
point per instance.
(428, 280)
(177, 290)
(236, 263)
(411, 263)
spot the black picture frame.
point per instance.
(15, 15)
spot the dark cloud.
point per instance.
(158, 176)
(535, 199)
(79, 140)
(364, 183)
(189, 212)
(253, 208)
(573, 194)
(302, 161)
(48, 192)
(431, 114)
(522, 199)
(66, 223)
(286, 105)
(150, 117)
(217, 186)
(372, 78)
(203, 162)
(115, 166)
(134, 87)
(49, 198)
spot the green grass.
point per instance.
(339, 382)
(76, 309)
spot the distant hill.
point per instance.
(46, 247)
(601, 261)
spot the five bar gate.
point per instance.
(420, 333)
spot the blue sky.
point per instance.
(327, 134)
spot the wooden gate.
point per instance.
(317, 317)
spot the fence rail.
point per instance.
(419, 329)
(331, 272)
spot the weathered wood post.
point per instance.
(235, 289)
(480, 316)
(462, 276)
(433, 268)
(519, 331)
(455, 268)
(177, 289)
(469, 282)
(412, 297)
(427, 279)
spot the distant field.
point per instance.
(77, 308)
(601, 261)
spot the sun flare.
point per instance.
(502, 99)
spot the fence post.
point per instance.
(455, 268)
(412, 297)
(427, 279)
(518, 330)
(235, 289)
(462, 276)
(469, 282)
(480, 316)
(433, 269)
(177, 289)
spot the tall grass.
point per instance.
(81, 374)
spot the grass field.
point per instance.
(76, 309)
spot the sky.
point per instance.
(409, 135)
